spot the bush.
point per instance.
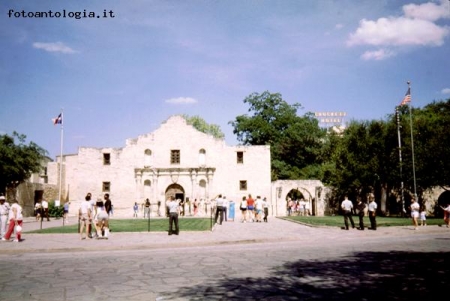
(55, 211)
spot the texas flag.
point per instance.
(57, 120)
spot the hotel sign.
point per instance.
(330, 117)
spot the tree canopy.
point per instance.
(363, 158)
(201, 125)
(18, 160)
(295, 141)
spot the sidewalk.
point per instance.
(275, 231)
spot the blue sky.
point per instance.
(117, 78)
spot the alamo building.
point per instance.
(174, 160)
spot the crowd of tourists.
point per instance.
(94, 217)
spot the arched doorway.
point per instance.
(175, 190)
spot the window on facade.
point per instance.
(106, 187)
(240, 157)
(106, 159)
(202, 157)
(148, 158)
(242, 185)
(175, 156)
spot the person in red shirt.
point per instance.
(250, 207)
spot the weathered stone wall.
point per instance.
(314, 192)
(142, 169)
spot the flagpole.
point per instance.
(400, 158)
(61, 157)
(412, 142)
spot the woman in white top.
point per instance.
(414, 212)
(15, 219)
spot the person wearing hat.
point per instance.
(15, 222)
(4, 211)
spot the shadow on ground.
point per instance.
(363, 276)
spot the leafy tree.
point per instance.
(201, 125)
(431, 133)
(295, 141)
(18, 160)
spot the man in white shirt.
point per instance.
(45, 209)
(225, 208)
(4, 211)
(258, 208)
(219, 209)
(347, 207)
(173, 209)
(372, 208)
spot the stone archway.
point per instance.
(175, 190)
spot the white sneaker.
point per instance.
(3, 239)
(15, 240)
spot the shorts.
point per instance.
(414, 214)
(250, 207)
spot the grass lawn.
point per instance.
(139, 225)
(338, 221)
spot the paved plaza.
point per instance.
(279, 260)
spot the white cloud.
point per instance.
(377, 55)
(338, 26)
(445, 91)
(181, 100)
(398, 32)
(427, 11)
(416, 27)
(54, 47)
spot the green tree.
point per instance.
(295, 141)
(18, 160)
(431, 134)
(201, 125)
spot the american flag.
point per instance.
(407, 98)
(57, 120)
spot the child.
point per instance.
(136, 209)
(423, 218)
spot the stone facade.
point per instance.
(313, 191)
(176, 159)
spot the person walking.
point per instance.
(446, 214)
(196, 204)
(372, 208)
(85, 216)
(219, 209)
(414, 211)
(38, 210)
(347, 206)
(266, 209)
(4, 212)
(45, 210)
(173, 208)
(147, 208)
(15, 218)
(423, 215)
(250, 207)
(135, 209)
(360, 209)
(243, 208)
(258, 209)
(66, 212)
(108, 204)
(225, 208)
